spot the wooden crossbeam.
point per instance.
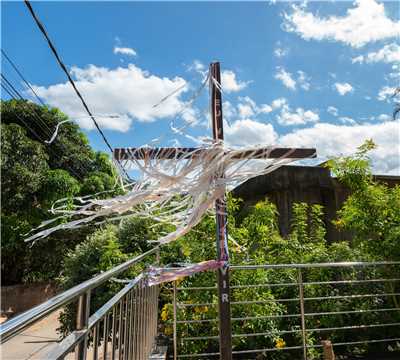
(122, 154)
(166, 153)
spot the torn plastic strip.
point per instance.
(156, 276)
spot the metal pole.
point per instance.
(82, 321)
(175, 337)
(303, 320)
(224, 309)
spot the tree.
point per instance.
(99, 252)
(372, 211)
(34, 176)
(23, 166)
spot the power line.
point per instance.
(33, 111)
(22, 77)
(34, 132)
(42, 124)
(14, 94)
(71, 81)
(23, 121)
(64, 68)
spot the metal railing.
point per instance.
(123, 328)
(352, 304)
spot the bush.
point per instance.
(98, 253)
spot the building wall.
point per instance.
(19, 298)
(312, 185)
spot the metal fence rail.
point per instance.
(123, 328)
(365, 303)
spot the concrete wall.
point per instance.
(19, 298)
(312, 185)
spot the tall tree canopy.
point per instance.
(34, 175)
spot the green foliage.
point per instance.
(135, 234)
(372, 211)
(34, 176)
(23, 167)
(58, 184)
(255, 239)
(354, 171)
(99, 252)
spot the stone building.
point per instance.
(313, 185)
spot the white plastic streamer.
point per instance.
(56, 131)
(178, 191)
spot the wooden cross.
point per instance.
(120, 154)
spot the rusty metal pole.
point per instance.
(224, 308)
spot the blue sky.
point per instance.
(296, 74)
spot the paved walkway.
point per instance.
(34, 342)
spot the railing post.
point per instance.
(82, 320)
(303, 320)
(158, 256)
(175, 316)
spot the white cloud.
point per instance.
(297, 117)
(265, 109)
(278, 103)
(245, 110)
(332, 110)
(303, 80)
(280, 51)
(198, 67)
(330, 140)
(366, 22)
(386, 93)
(347, 120)
(343, 88)
(388, 54)
(286, 78)
(228, 110)
(230, 83)
(129, 92)
(249, 132)
(385, 117)
(333, 140)
(124, 51)
(247, 107)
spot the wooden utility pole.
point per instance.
(225, 333)
(224, 306)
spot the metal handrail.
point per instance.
(301, 298)
(59, 351)
(17, 324)
(314, 265)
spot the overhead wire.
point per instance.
(15, 95)
(42, 124)
(23, 121)
(71, 81)
(22, 77)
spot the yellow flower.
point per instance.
(168, 330)
(179, 280)
(164, 313)
(279, 343)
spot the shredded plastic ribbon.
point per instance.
(156, 275)
(56, 131)
(177, 191)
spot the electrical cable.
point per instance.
(23, 121)
(71, 81)
(22, 77)
(14, 94)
